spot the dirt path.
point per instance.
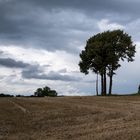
(23, 109)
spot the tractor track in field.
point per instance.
(23, 109)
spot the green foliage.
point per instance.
(46, 91)
(104, 50)
(103, 53)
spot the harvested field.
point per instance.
(70, 118)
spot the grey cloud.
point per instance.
(11, 63)
(30, 71)
(29, 27)
(36, 73)
(62, 71)
(1, 53)
(91, 5)
(54, 25)
(56, 76)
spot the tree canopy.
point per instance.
(103, 53)
(46, 91)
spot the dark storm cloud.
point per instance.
(36, 73)
(11, 63)
(26, 24)
(91, 6)
(56, 25)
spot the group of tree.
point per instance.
(46, 91)
(6, 95)
(102, 55)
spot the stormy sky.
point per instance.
(40, 42)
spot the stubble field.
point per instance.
(70, 118)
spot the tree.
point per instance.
(103, 53)
(93, 58)
(139, 89)
(46, 91)
(87, 64)
(39, 92)
(52, 93)
(120, 47)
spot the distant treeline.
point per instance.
(40, 92)
(10, 95)
(6, 95)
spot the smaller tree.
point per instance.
(46, 91)
(39, 92)
(139, 89)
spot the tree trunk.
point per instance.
(104, 82)
(110, 83)
(97, 85)
(102, 85)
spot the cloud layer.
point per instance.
(41, 40)
(11, 63)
